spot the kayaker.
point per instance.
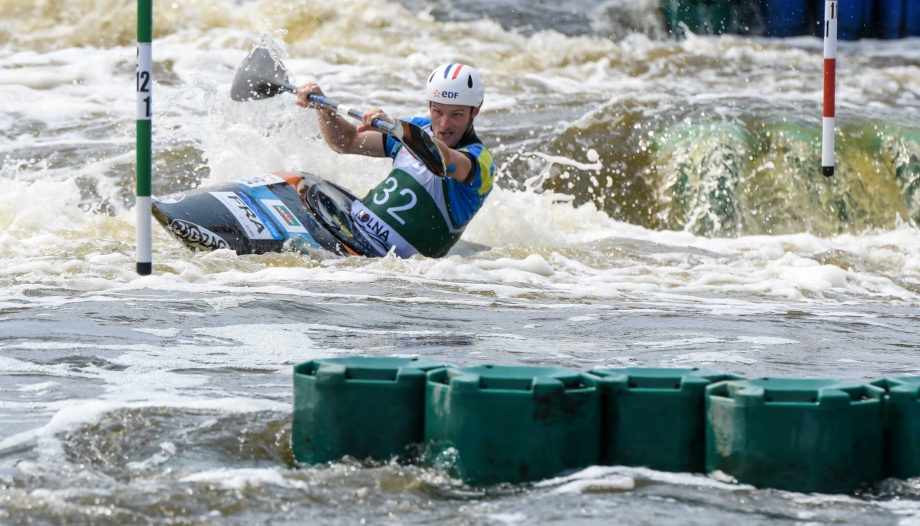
(414, 211)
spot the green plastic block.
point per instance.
(809, 435)
(656, 417)
(902, 426)
(365, 407)
(493, 424)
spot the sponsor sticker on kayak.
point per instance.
(170, 199)
(196, 236)
(254, 222)
(284, 216)
(261, 180)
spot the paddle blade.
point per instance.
(260, 76)
(420, 145)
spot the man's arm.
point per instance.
(343, 137)
(339, 134)
(463, 167)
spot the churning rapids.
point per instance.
(659, 202)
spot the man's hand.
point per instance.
(303, 93)
(370, 117)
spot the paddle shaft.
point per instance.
(326, 102)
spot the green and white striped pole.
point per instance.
(144, 125)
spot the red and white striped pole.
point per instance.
(830, 80)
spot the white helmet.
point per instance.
(455, 84)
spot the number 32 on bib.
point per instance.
(416, 210)
(382, 197)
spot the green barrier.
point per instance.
(360, 406)
(493, 424)
(902, 426)
(656, 417)
(810, 435)
(498, 424)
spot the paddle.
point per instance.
(261, 76)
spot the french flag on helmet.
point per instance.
(455, 84)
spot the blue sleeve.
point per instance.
(465, 199)
(390, 144)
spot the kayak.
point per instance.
(271, 212)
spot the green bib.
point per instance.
(410, 210)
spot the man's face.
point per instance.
(448, 121)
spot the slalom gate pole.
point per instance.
(144, 128)
(830, 88)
